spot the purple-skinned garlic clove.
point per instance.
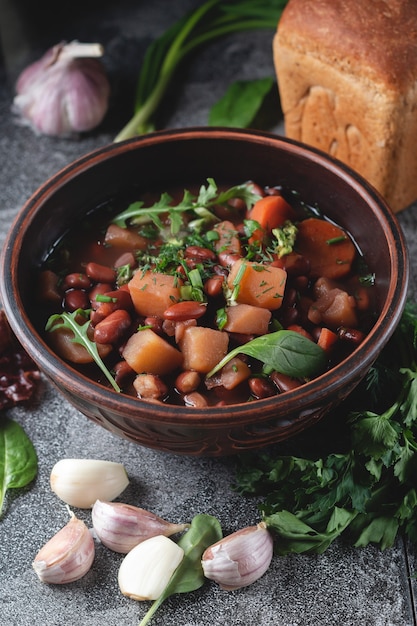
(239, 559)
(121, 527)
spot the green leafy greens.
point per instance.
(203, 532)
(210, 21)
(80, 332)
(240, 103)
(286, 351)
(364, 489)
(199, 206)
(18, 459)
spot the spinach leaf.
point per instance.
(203, 532)
(285, 351)
(18, 458)
(241, 103)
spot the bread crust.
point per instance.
(347, 76)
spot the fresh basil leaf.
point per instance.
(285, 351)
(241, 103)
(18, 458)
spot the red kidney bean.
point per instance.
(227, 259)
(214, 286)
(261, 388)
(99, 289)
(199, 254)
(113, 327)
(301, 283)
(120, 299)
(195, 399)
(122, 372)
(155, 324)
(290, 316)
(351, 335)
(76, 280)
(187, 381)
(187, 310)
(100, 273)
(290, 297)
(284, 382)
(76, 299)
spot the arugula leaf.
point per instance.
(285, 351)
(208, 197)
(68, 320)
(241, 103)
(18, 459)
(203, 532)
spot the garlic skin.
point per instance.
(121, 527)
(65, 92)
(239, 559)
(67, 556)
(146, 570)
(80, 482)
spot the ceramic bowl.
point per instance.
(180, 157)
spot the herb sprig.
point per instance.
(199, 206)
(80, 332)
(210, 21)
(364, 490)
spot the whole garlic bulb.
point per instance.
(65, 92)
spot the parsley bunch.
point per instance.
(365, 487)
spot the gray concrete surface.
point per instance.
(344, 585)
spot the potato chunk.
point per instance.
(203, 348)
(147, 352)
(258, 285)
(152, 292)
(247, 319)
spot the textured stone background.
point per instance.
(344, 585)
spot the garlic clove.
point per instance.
(65, 92)
(67, 556)
(80, 482)
(239, 559)
(121, 527)
(146, 569)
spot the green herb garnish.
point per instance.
(69, 321)
(203, 532)
(285, 351)
(200, 205)
(364, 488)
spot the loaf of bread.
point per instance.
(347, 78)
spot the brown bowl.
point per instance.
(179, 158)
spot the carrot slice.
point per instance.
(270, 212)
(327, 247)
(327, 339)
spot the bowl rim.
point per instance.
(240, 414)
